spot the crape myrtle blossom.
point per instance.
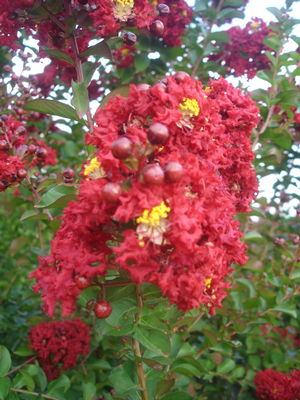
(274, 385)
(20, 150)
(245, 52)
(58, 344)
(174, 228)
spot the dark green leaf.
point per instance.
(100, 49)
(141, 62)
(4, 387)
(226, 366)
(61, 55)
(57, 196)
(5, 360)
(52, 107)
(80, 98)
(89, 391)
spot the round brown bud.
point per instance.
(153, 175)
(41, 153)
(173, 171)
(68, 173)
(82, 282)
(180, 76)
(129, 38)
(102, 309)
(157, 27)
(163, 9)
(158, 133)
(122, 148)
(22, 173)
(111, 192)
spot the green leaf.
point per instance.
(52, 107)
(155, 341)
(229, 13)
(4, 387)
(24, 351)
(88, 69)
(287, 309)
(219, 37)
(177, 396)
(61, 55)
(141, 62)
(122, 91)
(57, 196)
(187, 370)
(275, 11)
(253, 237)
(248, 284)
(33, 215)
(5, 360)
(163, 387)
(100, 49)
(121, 381)
(273, 42)
(58, 386)
(80, 98)
(226, 366)
(295, 274)
(88, 390)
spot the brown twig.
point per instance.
(20, 366)
(136, 346)
(45, 396)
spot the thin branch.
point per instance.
(20, 366)
(136, 346)
(45, 396)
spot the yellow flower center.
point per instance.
(93, 169)
(255, 25)
(184, 13)
(125, 3)
(189, 107)
(208, 283)
(153, 217)
(124, 51)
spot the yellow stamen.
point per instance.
(184, 13)
(124, 51)
(153, 217)
(190, 107)
(94, 164)
(125, 3)
(208, 283)
(255, 25)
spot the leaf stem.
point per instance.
(136, 345)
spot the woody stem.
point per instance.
(136, 345)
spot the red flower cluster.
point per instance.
(58, 344)
(245, 52)
(18, 150)
(274, 385)
(176, 21)
(9, 20)
(124, 56)
(288, 333)
(172, 170)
